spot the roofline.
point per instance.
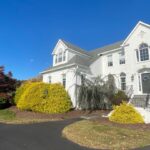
(112, 50)
(54, 69)
(66, 66)
(79, 52)
(60, 40)
(140, 22)
(57, 44)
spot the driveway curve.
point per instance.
(40, 136)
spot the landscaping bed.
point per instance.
(100, 133)
(30, 117)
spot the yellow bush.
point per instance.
(20, 91)
(47, 98)
(126, 114)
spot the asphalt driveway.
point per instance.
(40, 136)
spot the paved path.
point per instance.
(40, 136)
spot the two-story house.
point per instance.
(127, 60)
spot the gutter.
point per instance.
(109, 51)
(55, 69)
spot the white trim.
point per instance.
(113, 50)
(139, 23)
(54, 69)
(59, 41)
(79, 52)
(65, 66)
(139, 56)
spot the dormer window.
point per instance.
(64, 56)
(60, 56)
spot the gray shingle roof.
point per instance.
(106, 48)
(77, 60)
(74, 47)
(84, 61)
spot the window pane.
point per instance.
(56, 59)
(49, 79)
(122, 57)
(64, 80)
(110, 61)
(137, 55)
(64, 56)
(60, 57)
(144, 54)
(123, 81)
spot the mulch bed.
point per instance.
(77, 114)
(67, 115)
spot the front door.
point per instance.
(146, 82)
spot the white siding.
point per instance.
(56, 77)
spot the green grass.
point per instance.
(101, 136)
(6, 115)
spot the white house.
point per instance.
(127, 60)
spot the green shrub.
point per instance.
(42, 97)
(126, 114)
(118, 97)
(19, 92)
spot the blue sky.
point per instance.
(29, 29)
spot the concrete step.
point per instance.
(140, 101)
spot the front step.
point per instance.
(141, 101)
(145, 114)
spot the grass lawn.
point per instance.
(11, 117)
(106, 136)
(6, 115)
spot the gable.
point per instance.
(59, 46)
(140, 31)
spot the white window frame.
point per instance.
(122, 59)
(110, 60)
(64, 80)
(60, 57)
(123, 87)
(138, 53)
(49, 79)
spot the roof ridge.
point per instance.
(109, 45)
(75, 47)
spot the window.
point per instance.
(144, 53)
(137, 55)
(55, 59)
(110, 61)
(123, 81)
(122, 57)
(64, 56)
(49, 79)
(60, 57)
(139, 83)
(64, 80)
